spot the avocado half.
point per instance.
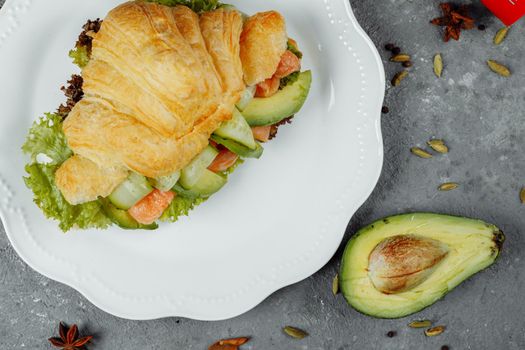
(401, 264)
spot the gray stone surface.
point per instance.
(479, 114)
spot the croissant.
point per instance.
(263, 42)
(159, 81)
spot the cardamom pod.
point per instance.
(448, 186)
(295, 332)
(438, 146)
(501, 35)
(498, 68)
(399, 77)
(522, 195)
(420, 324)
(335, 285)
(420, 152)
(402, 57)
(438, 65)
(432, 332)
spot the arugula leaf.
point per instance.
(46, 137)
(196, 5)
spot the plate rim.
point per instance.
(13, 10)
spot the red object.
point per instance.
(224, 160)
(289, 63)
(262, 133)
(268, 87)
(509, 11)
(151, 207)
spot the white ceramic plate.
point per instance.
(278, 220)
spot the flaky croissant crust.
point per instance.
(159, 81)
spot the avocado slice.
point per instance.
(182, 192)
(122, 218)
(401, 264)
(285, 103)
(239, 149)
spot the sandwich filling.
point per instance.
(172, 96)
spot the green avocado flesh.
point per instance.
(285, 103)
(401, 264)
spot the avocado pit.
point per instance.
(400, 263)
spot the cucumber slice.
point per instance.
(182, 192)
(285, 103)
(239, 149)
(237, 129)
(132, 190)
(122, 218)
(246, 97)
(166, 183)
(208, 183)
(191, 173)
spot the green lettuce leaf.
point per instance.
(231, 169)
(46, 137)
(80, 55)
(195, 5)
(290, 79)
(41, 180)
(180, 206)
(291, 47)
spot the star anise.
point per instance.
(69, 338)
(454, 19)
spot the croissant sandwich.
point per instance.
(169, 101)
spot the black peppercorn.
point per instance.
(407, 64)
(396, 51)
(389, 47)
(385, 110)
(482, 27)
(445, 347)
(391, 334)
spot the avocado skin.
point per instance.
(493, 234)
(123, 219)
(285, 103)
